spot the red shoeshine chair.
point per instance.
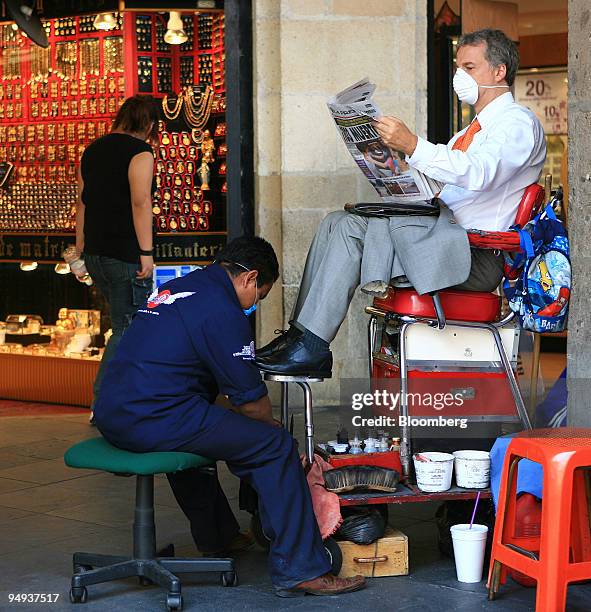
(468, 309)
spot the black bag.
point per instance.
(361, 524)
(389, 209)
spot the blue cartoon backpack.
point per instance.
(541, 293)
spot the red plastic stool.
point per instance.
(565, 539)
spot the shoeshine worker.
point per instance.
(191, 342)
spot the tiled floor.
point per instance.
(48, 511)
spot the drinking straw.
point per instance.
(474, 511)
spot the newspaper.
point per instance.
(396, 182)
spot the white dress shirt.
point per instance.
(484, 185)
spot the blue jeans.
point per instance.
(124, 293)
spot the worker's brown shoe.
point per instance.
(324, 585)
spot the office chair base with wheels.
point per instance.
(93, 568)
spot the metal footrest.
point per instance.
(304, 383)
(290, 379)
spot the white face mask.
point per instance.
(466, 87)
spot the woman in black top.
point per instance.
(114, 215)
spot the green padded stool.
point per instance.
(90, 568)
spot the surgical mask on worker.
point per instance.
(466, 87)
(249, 311)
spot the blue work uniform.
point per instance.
(189, 343)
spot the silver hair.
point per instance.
(500, 49)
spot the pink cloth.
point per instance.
(326, 504)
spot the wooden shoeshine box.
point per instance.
(387, 556)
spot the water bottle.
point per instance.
(77, 265)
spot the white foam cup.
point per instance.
(469, 545)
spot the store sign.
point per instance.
(188, 248)
(26, 247)
(546, 95)
(170, 248)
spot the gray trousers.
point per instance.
(336, 265)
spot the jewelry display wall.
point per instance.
(191, 163)
(163, 68)
(189, 81)
(53, 103)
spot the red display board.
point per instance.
(53, 103)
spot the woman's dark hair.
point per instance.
(252, 252)
(136, 114)
(500, 49)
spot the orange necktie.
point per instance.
(465, 140)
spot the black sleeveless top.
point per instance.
(108, 220)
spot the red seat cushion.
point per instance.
(457, 305)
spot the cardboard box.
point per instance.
(387, 556)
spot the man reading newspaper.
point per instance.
(479, 178)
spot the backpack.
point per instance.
(541, 293)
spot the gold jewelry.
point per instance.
(174, 113)
(113, 54)
(66, 56)
(40, 58)
(197, 113)
(89, 57)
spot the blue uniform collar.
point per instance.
(218, 274)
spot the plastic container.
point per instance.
(469, 545)
(355, 447)
(435, 474)
(339, 448)
(472, 469)
(383, 445)
(80, 341)
(528, 524)
(77, 265)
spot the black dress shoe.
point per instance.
(295, 359)
(285, 336)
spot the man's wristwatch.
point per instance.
(149, 252)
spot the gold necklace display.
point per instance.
(113, 48)
(66, 56)
(196, 110)
(174, 113)
(89, 57)
(11, 65)
(40, 59)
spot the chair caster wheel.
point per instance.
(144, 581)
(229, 579)
(78, 595)
(79, 568)
(333, 550)
(174, 601)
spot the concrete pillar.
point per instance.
(579, 176)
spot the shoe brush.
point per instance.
(361, 478)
